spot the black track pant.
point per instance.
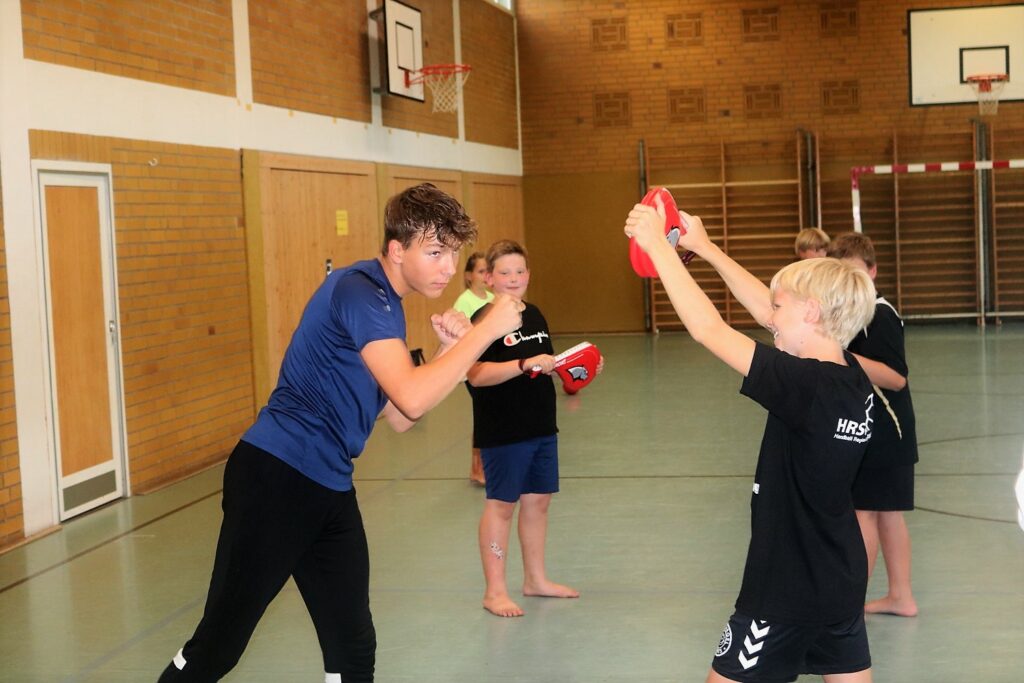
(278, 523)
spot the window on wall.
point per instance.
(507, 4)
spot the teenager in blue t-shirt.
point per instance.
(289, 506)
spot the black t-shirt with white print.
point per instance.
(806, 562)
(894, 437)
(520, 408)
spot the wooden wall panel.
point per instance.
(12, 527)
(579, 264)
(184, 43)
(496, 203)
(183, 298)
(294, 226)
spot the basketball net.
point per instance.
(444, 81)
(988, 87)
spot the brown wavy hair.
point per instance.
(425, 212)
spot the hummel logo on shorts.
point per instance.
(753, 643)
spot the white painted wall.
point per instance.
(36, 95)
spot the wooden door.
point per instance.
(301, 212)
(86, 392)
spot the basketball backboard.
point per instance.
(403, 48)
(948, 45)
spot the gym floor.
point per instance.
(651, 526)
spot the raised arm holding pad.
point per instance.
(674, 227)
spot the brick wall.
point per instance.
(488, 45)
(11, 524)
(599, 75)
(185, 43)
(311, 56)
(183, 298)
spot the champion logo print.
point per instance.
(753, 643)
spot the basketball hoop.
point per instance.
(443, 80)
(988, 87)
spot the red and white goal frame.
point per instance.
(936, 167)
(887, 169)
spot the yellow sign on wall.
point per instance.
(341, 222)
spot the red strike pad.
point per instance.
(674, 227)
(576, 366)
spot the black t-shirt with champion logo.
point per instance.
(894, 438)
(520, 408)
(806, 562)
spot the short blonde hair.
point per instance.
(810, 239)
(845, 294)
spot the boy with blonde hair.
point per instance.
(811, 243)
(800, 607)
(884, 487)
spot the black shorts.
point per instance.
(757, 651)
(884, 489)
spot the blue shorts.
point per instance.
(529, 466)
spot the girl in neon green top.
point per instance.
(476, 294)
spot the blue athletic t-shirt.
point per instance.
(326, 401)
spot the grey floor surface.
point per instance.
(651, 526)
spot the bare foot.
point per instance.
(887, 605)
(502, 606)
(547, 589)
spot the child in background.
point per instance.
(476, 294)
(884, 487)
(800, 607)
(811, 243)
(469, 302)
(514, 427)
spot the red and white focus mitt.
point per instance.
(674, 227)
(577, 366)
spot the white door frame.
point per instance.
(99, 176)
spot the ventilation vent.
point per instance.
(839, 18)
(687, 105)
(612, 110)
(762, 101)
(761, 24)
(684, 29)
(608, 34)
(840, 97)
